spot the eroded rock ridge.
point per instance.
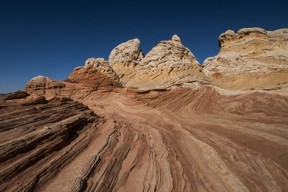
(155, 122)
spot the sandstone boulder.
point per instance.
(252, 58)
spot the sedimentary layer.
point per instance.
(167, 64)
(156, 122)
(176, 140)
(251, 58)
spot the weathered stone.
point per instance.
(167, 64)
(95, 73)
(252, 58)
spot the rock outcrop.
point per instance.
(176, 140)
(38, 140)
(252, 58)
(95, 73)
(17, 95)
(168, 63)
(127, 52)
(88, 133)
(125, 58)
(40, 85)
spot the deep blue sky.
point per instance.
(52, 37)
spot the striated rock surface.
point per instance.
(95, 73)
(89, 134)
(17, 95)
(39, 140)
(177, 140)
(252, 58)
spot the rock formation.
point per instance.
(40, 85)
(93, 132)
(252, 58)
(125, 58)
(17, 95)
(38, 140)
(168, 63)
(95, 73)
(178, 140)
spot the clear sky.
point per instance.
(52, 37)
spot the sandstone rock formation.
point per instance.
(168, 63)
(95, 73)
(89, 133)
(17, 95)
(38, 140)
(125, 58)
(40, 85)
(252, 58)
(177, 140)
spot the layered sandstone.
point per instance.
(177, 140)
(88, 133)
(168, 63)
(38, 140)
(252, 58)
(95, 73)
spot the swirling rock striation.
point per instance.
(93, 132)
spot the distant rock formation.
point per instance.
(167, 64)
(252, 58)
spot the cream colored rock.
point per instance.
(167, 64)
(129, 51)
(252, 58)
(124, 59)
(176, 38)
